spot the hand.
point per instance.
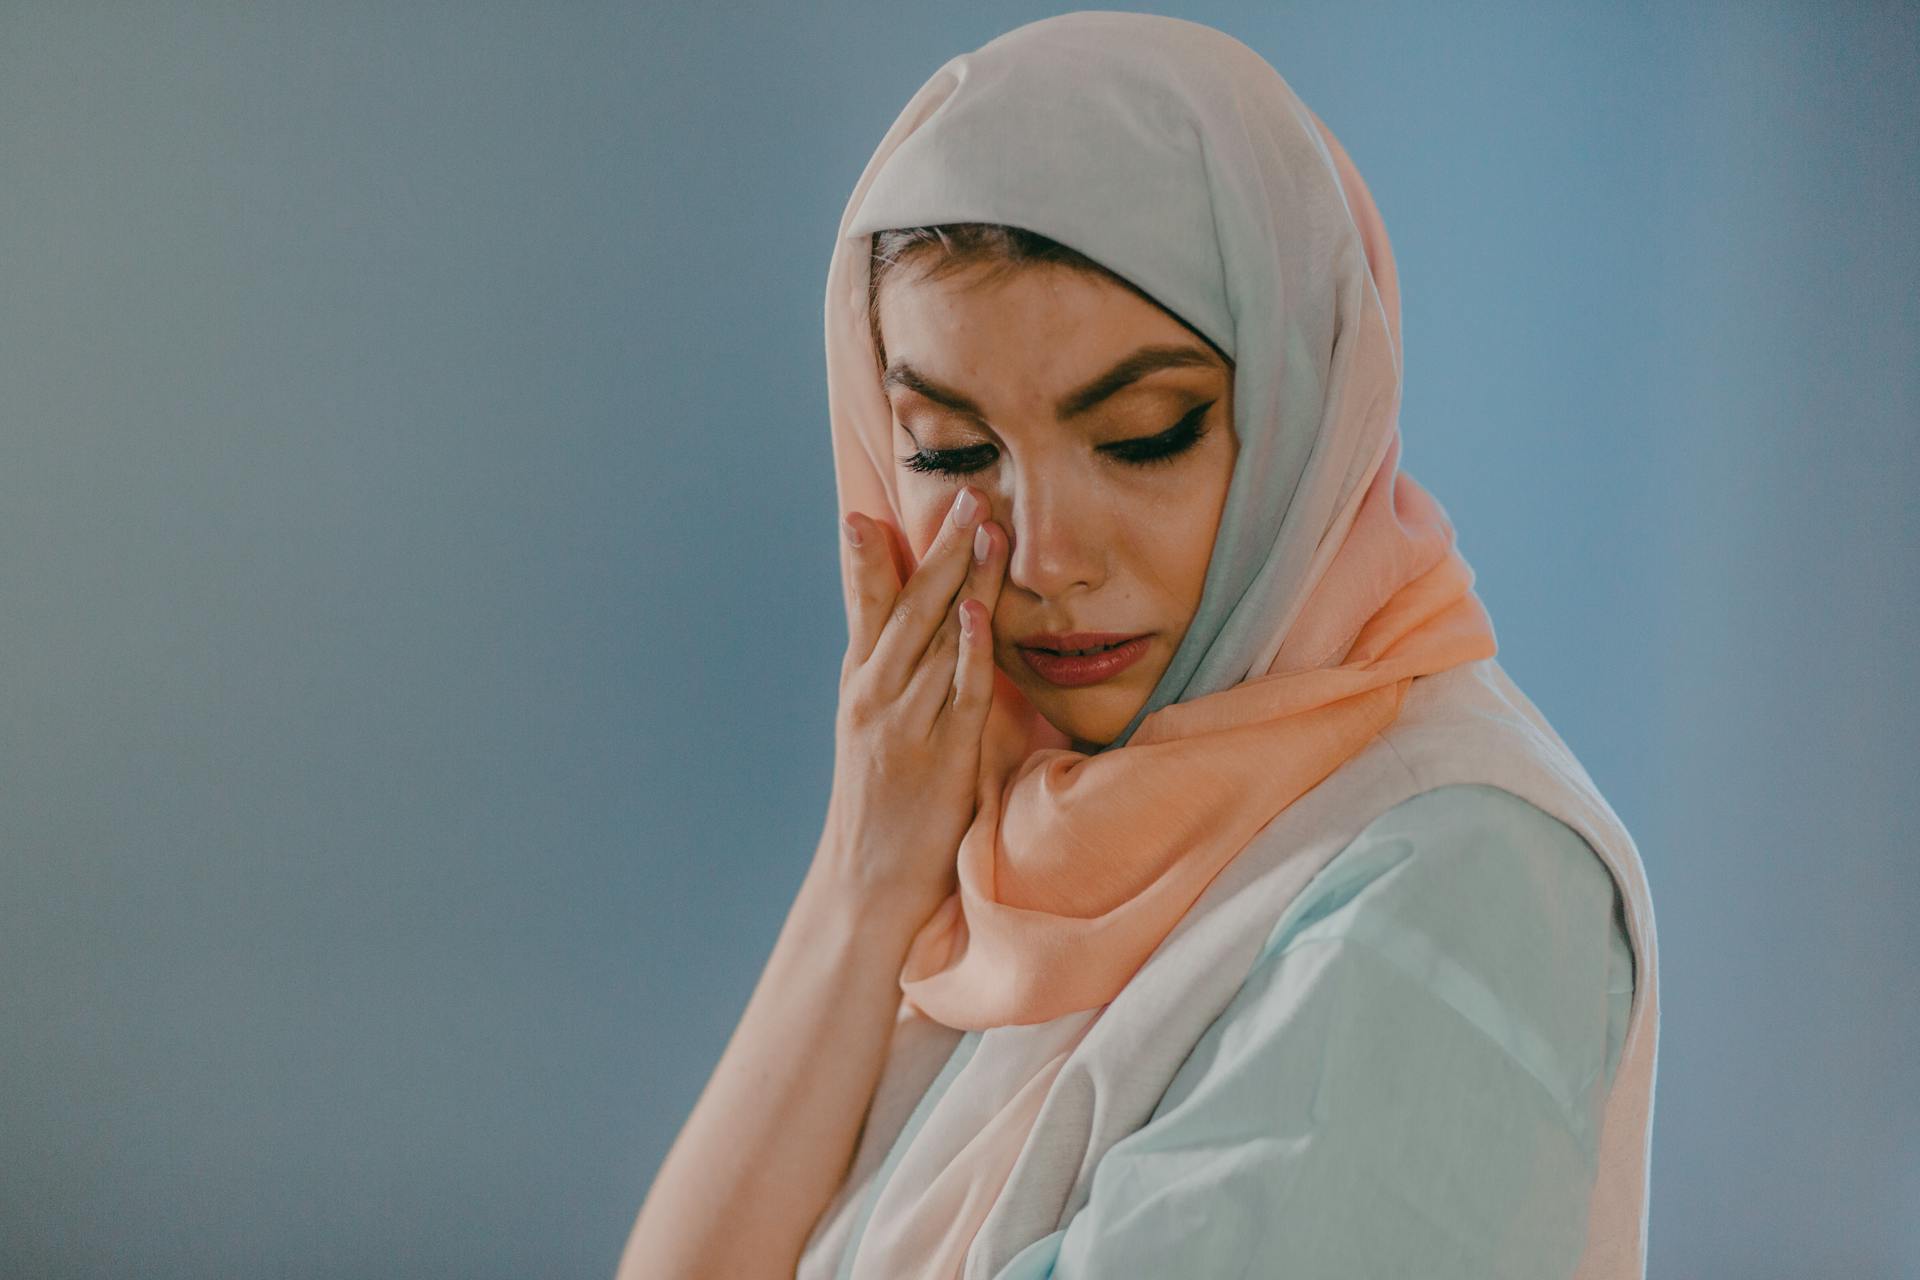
(914, 696)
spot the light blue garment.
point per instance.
(1404, 1084)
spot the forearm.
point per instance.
(773, 1131)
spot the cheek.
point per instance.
(1198, 552)
(1175, 567)
(1185, 559)
(923, 521)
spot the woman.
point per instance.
(1286, 937)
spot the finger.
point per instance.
(973, 673)
(930, 687)
(973, 670)
(926, 602)
(933, 686)
(868, 595)
(988, 570)
(875, 570)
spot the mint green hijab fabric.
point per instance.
(1466, 948)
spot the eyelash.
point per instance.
(1147, 451)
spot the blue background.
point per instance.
(419, 616)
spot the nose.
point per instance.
(1055, 538)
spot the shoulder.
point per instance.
(1409, 1081)
(1466, 923)
(1469, 865)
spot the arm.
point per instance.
(1409, 1082)
(774, 1130)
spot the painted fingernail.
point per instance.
(981, 544)
(965, 507)
(847, 527)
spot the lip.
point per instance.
(1073, 639)
(1072, 673)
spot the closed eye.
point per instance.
(1145, 451)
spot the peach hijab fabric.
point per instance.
(1177, 157)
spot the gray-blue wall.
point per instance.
(419, 623)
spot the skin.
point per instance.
(1096, 542)
(1093, 542)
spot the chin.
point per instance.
(1097, 714)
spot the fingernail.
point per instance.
(965, 507)
(846, 527)
(981, 542)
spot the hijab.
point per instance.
(1176, 157)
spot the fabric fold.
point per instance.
(1176, 157)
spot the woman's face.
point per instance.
(1023, 386)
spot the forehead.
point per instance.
(1042, 322)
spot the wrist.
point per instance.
(841, 892)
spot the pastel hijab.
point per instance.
(1175, 156)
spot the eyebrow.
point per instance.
(1146, 360)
